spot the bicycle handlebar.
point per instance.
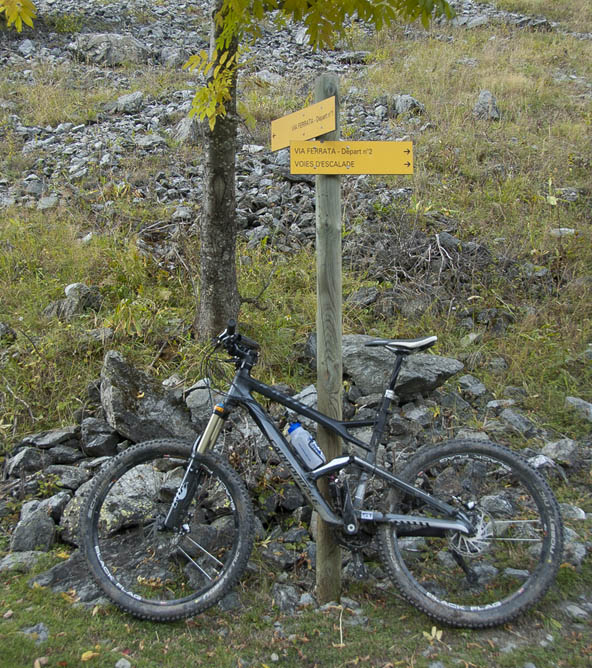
(234, 342)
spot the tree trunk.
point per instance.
(218, 289)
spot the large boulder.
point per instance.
(138, 406)
(370, 368)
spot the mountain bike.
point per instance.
(467, 530)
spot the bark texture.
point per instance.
(218, 293)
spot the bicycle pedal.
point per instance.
(358, 567)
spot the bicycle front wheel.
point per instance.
(163, 574)
(510, 560)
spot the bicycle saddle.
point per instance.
(404, 345)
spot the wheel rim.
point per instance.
(507, 550)
(156, 566)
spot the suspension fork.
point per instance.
(191, 478)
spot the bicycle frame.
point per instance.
(240, 393)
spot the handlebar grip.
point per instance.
(231, 327)
(249, 343)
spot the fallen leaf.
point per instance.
(8, 614)
(87, 656)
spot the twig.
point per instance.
(22, 401)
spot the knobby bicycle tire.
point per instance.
(510, 562)
(158, 574)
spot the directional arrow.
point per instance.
(351, 157)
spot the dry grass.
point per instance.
(574, 15)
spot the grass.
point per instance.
(394, 634)
(572, 16)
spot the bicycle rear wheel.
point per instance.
(156, 573)
(509, 562)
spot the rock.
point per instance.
(47, 203)
(139, 407)
(564, 451)
(69, 520)
(20, 562)
(285, 597)
(486, 107)
(130, 103)
(188, 131)
(173, 57)
(79, 298)
(370, 368)
(70, 477)
(26, 460)
(518, 423)
(471, 387)
(36, 532)
(150, 141)
(98, 438)
(68, 575)
(53, 506)
(405, 104)
(7, 334)
(575, 612)
(39, 632)
(583, 408)
(52, 438)
(109, 49)
(64, 454)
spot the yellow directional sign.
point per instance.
(307, 123)
(351, 157)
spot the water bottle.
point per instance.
(306, 447)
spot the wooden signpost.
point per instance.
(328, 159)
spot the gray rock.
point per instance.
(130, 103)
(173, 57)
(150, 142)
(569, 512)
(39, 632)
(36, 532)
(47, 203)
(285, 597)
(109, 49)
(64, 454)
(53, 506)
(52, 438)
(139, 407)
(26, 460)
(20, 562)
(98, 438)
(575, 612)
(188, 131)
(69, 520)
(70, 477)
(405, 104)
(371, 368)
(518, 423)
(564, 451)
(496, 406)
(471, 387)
(486, 107)
(79, 298)
(583, 408)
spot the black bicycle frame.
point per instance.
(240, 394)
